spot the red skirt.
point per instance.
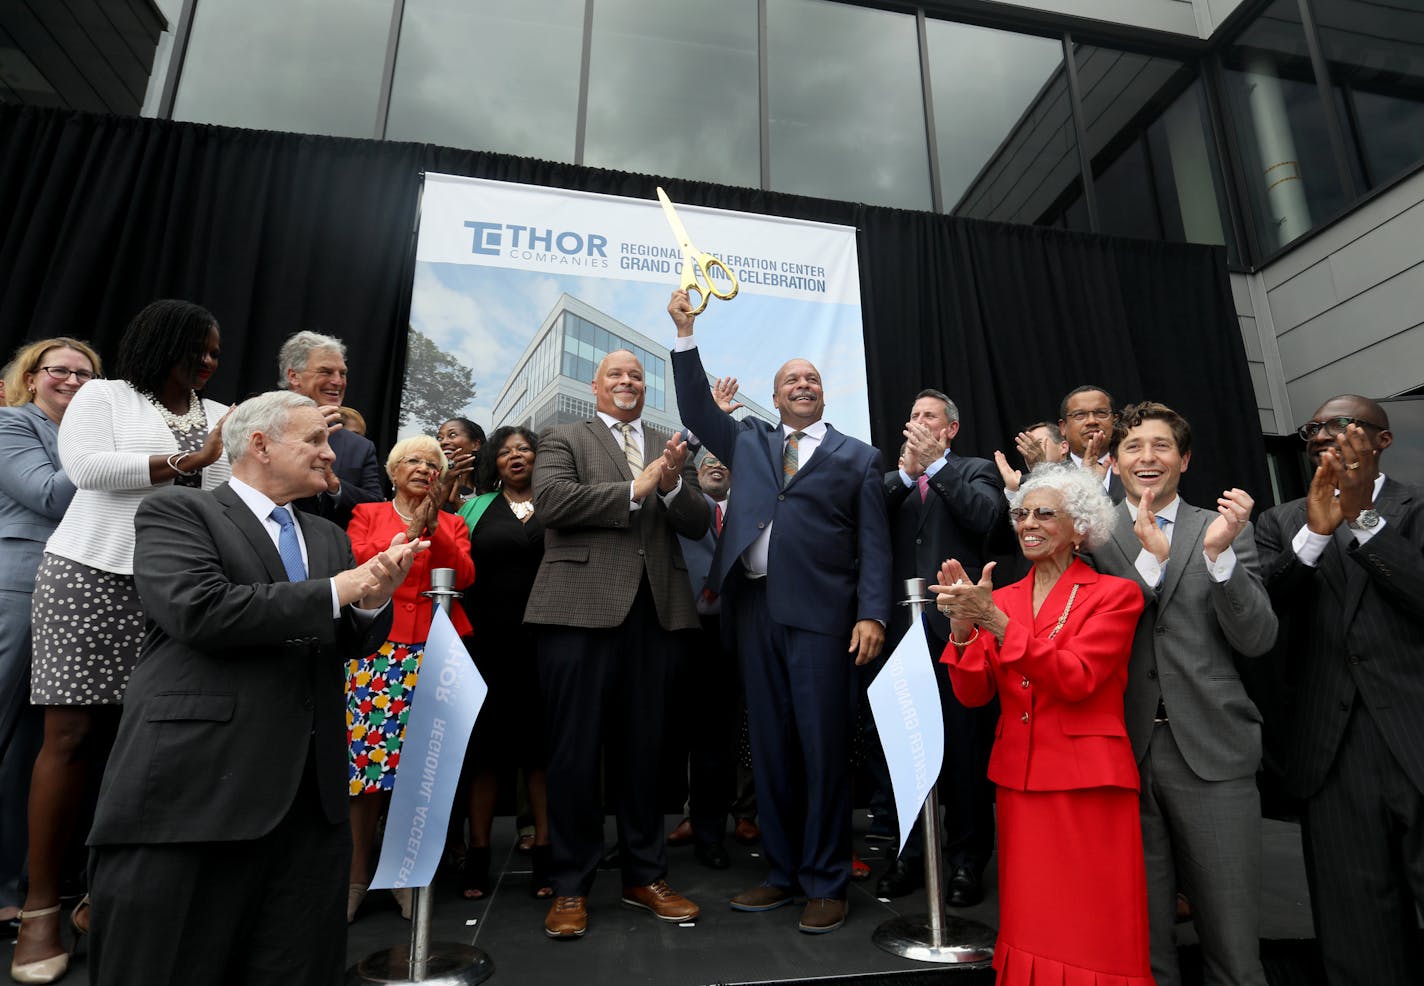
(1072, 889)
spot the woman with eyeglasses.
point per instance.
(119, 440)
(379, 686)
(1054, 647)
(34, 493)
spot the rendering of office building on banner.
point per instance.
(550, 381)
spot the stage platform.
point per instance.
(626, 946)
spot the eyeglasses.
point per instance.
(1020, 514)
(63, 373)
(414, 461)
(1333, 427)
(1097, 414)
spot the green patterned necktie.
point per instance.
(630, 449)
(789, 456)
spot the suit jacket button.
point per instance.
(1024, 717)
(409, 607)
(1024, 684)
(1344, 706)
(919, 540)
(641, 552)
(1354, 658)
(761, 526)
(781, 496)
(1152, 673)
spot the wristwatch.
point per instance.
(1367, 520)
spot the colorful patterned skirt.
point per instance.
(378, 693)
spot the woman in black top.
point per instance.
(507, 542)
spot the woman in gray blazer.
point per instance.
(34, 493)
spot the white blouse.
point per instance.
(105, 440)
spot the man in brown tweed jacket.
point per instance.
(610, 592)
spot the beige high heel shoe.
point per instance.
(355, 893)
(405, 897)
(47, 970)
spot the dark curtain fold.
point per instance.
(275, 232)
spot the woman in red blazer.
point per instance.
(1054, 647)
(379, 686)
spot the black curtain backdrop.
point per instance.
(276, 232)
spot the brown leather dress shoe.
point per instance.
(822, 914)
(682, 835)
(665, 903)
(746, 832)
(567, 917)
(762, 898)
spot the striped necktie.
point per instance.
(630, 449)
(789, 456)
(287, 545)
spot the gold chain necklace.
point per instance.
(1063, 616)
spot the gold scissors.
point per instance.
(695, 261)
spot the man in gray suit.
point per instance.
(1194, 731)
(611, 591)
(221, 841)
(1345, 569)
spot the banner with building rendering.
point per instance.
(521, 290)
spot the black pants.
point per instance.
(605, 687)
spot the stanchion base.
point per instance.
(450, 964)
(965, 942)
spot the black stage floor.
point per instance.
(626, 946)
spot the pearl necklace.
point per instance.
(196, 417)
(399, 514)
(522, 509)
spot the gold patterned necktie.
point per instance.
(789, 456)
(630, 449)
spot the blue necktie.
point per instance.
(1162, 523)
(287, 545)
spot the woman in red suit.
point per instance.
(379, 686)
(1055, 648)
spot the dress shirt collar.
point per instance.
(613, 424)
(816, 430)
(260, 503)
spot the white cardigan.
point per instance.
(105, 439)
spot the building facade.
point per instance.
(1289, 132)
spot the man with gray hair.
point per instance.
(314, 365)
(942, 506)
(252, 616)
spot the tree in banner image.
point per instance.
(437, 385)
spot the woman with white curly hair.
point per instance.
(1054, 647)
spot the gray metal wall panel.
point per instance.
(1356, 324)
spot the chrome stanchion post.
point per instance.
(936, 937)
(424, 961)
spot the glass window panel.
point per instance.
(673, 90)
(847, 117)
(163, 53)
(986, 84)
(491, 75)
(1376, 56)
(310, 67)
(1291, 179)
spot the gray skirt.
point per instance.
(88, 626)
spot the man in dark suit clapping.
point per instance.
(221, 843)
(1345, 569)
(611, 591)
(942, 506)
(803, 567)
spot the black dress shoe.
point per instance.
(902, 878)
(965, 890)
(711, 855)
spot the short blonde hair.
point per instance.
(415, 443)
(26, 361)
(353, 420)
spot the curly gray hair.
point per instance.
(1083, 496)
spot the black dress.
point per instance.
(510, 729)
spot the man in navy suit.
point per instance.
(1345, 569)
(314, 365)
(943, 506)
(803, 568)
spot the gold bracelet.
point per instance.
(965, 643)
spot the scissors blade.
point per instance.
(678, 229)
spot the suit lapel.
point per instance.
(252, 529)
(1186, 542)
(1355, 580)
(603, 437)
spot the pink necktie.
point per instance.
(923, 482)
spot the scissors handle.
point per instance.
(702, 263)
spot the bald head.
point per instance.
(618, 386)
